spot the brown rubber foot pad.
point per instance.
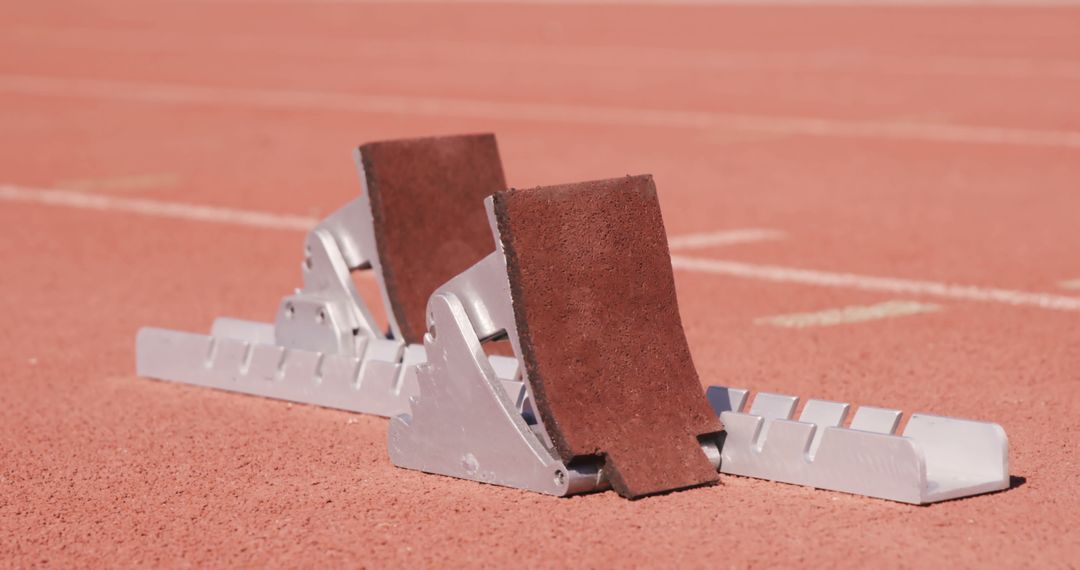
(427, 200)
(603, 344)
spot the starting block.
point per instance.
(580, 283)
(324, 347)
(600, 390)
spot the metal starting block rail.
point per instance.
(379, 381)
(935, 459)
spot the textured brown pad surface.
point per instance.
(427, 199)
(603, 344)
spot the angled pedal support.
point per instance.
(468, 424)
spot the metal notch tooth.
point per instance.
(340, 371)
(504, 367)
(283, 362)
(317, 378)
(300, 366)
(726, 399)
(245, 361)
(211, 353)
(823, 414)
(876, 420)
(771, 407)
(362, 344)
(229, 356)
(265, 363)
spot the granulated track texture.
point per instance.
(427, 200)
(99, 468)
(603, 344)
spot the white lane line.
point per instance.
(182, 211)
(1071, 284)
(846, 315)
(155, 208)
(322, 101)
(868, 283)
(722, 238)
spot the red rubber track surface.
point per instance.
(937, 144)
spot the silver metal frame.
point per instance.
(459, 412)
(466, 423)
(324, 347)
